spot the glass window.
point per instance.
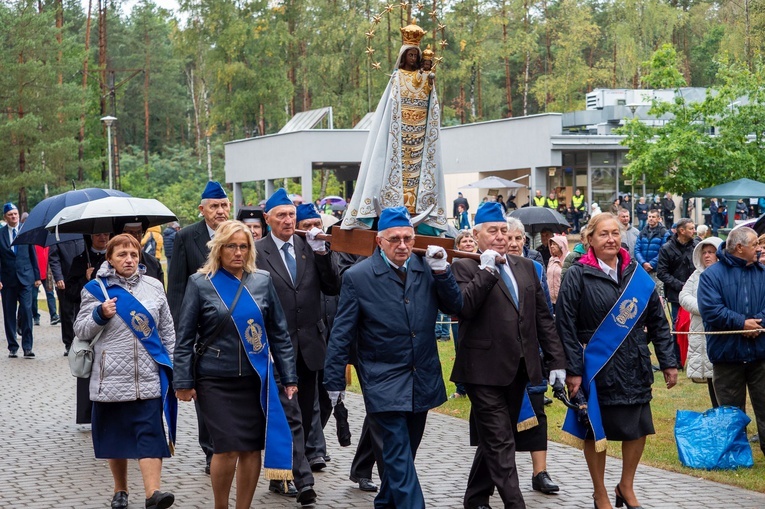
(603, 187)
(603, 159)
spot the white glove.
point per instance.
(336, 397)
(435, 262)
(316, 245)
(488, 260)
(557, 374)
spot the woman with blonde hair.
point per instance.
(231, 324)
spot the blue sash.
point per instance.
(527, 419)
(609, 336)
(248, 319)
(141, 323)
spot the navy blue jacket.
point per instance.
(649, 243)
(393, 325)
(729, 292)
(19, 268)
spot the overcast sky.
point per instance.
(127, 5)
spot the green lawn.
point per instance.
(660, 451)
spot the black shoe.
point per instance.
(29, 354)
(37, 321)
(620, 501)
(66, 352)
(207, 465)
(542, 482)
(364, 483)
(278, 488)
(55, 320)
(120, 500)
(317, 464)
(327, 458)
(547, 401)
(13, 355)
(160, 500)
(306, 495)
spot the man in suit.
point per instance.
(19, 280)
(301, 271)
(388, 308)
(189, 254)
(503, 323)
(60, 259)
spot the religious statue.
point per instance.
(401, 165)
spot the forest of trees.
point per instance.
(183, 83)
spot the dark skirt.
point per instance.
(626, 422)
(129, 430)
(232, 412)
(533, 439)
(84, 405)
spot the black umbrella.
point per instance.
(536, 219)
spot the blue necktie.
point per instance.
(290, 261)
(15, 248)
(509, 283)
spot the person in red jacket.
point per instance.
(47, 285)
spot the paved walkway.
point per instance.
(48, 460)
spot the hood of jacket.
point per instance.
(562, 243)
(711, 241)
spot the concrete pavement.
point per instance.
(48, 460)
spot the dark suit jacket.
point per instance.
(189, 254)
(493, 334)
(301, 301)
(62, 255)
(20, 268)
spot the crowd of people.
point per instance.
(257, 325)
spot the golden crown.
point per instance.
(412, 34)
(428, 54)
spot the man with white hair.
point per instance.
(504, 321)
(388, 307)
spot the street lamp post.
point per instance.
(109, 120)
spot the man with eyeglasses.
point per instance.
(301, 271)
(388, 307)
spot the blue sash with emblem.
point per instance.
(248, 319)
(609, 336)
(142, 325)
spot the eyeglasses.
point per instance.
(234, 247)
(398, 240)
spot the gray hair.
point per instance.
(739, 236)
(514, 224)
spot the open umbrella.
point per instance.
(333, 200)
(536, 219)
(99, 216)
(493, 183)
(33, 230)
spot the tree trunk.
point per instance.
(506, 60)
(195, 105)
(146, 105)
(81, 145)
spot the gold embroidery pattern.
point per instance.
(254, 335)
(140, 322)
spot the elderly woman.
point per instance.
(132, 369)
(698, 367)
(604, 303)
(558, 254)
(230, 326)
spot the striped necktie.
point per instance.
(290, 261)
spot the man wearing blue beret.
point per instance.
(301, 270)
(19, 279)
(502, 325)
(388, 307)
(189, 254)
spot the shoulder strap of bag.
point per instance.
(106, 296)
(201, 348)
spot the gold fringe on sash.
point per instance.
(572, 440)
(601, 445)
(172, 447)
(527, 424)
(275, 474)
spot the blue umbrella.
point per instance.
(33, 230)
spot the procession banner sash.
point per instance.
(248, 319)
(142, 325)
(609, 336)
(527, 419)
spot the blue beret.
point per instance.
(8, 207)
(307, 211)
(394, 217)
(491, 212)
(278, 198)
(214, 190)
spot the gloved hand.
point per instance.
(557, 374)
(488, 260)
(336, 397)
(435, 262)
(316, 245)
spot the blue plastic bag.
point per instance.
(715, 439)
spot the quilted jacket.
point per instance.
(122, 368)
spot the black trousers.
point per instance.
(301, 470)
(67, 311)
(493, 407)
(306, 395)
(364, 459)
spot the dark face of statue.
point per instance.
(411, 59)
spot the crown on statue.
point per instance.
(412, 34)
(428, 54)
